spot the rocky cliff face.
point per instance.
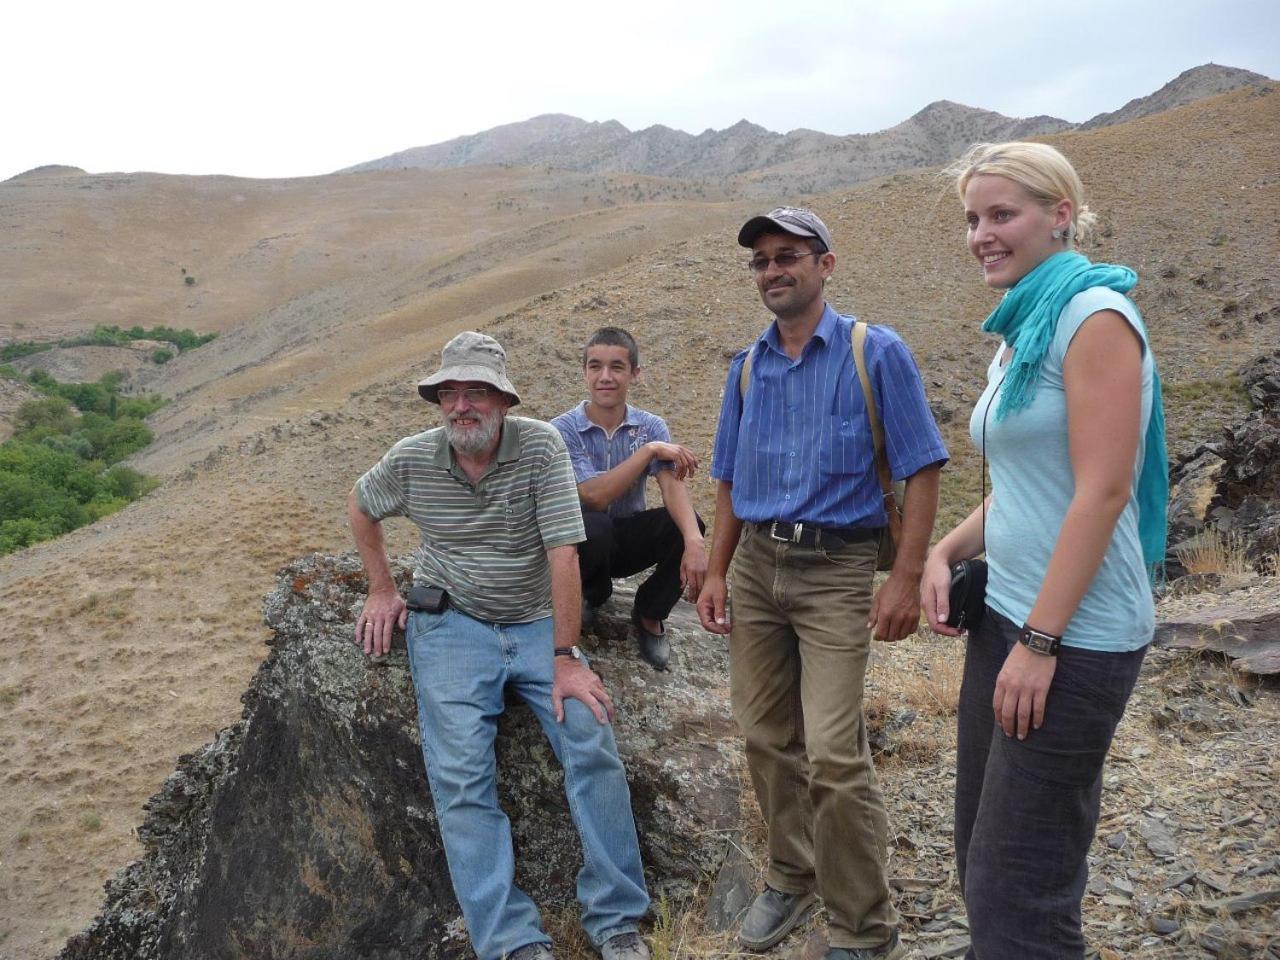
(1233, 484)
(307, 829)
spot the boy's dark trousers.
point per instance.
(622, 546)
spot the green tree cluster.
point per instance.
(109, 336)
(61, 468)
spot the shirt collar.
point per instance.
(508, 446)
(509, 442)
(582, 423)
(824, 331)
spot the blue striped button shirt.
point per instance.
(593, 452)
(802, 450)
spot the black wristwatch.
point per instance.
(1039, 641)
(569, 652)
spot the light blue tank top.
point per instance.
(1033, 484)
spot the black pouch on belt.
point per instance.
(968, 596)
(427, 599)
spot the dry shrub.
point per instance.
(676, 934)
(913, 750)
(931, 685)
(1216, 551)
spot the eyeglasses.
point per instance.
(788, 258)
(450, 395)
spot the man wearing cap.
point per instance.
(799, 511)
(614, 448)
(495, 501)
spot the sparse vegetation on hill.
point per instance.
(61, 468)
(109, 336)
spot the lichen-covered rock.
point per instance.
(307, 829)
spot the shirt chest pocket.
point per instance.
(844, 447)
(519, 514)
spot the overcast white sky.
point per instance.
(280, 89)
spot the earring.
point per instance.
(1056, 234)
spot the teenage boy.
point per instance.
(614, 448)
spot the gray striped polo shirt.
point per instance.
(485, 543)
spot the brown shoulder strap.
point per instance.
(892, 508)
(859, 340)
(744, 378)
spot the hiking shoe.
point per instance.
(771, 916)
(532, 951)
(655, 648)
(894, 949)
(624, 946)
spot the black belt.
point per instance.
(808, 535)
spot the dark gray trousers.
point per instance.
(1026, 810)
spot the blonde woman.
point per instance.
(1071, 426)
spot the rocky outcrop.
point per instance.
(1248, 633)
(1233, 484)
(307, 829)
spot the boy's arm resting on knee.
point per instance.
(384, 609)
(693, 565)
(573, 678)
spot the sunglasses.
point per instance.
(788, 258)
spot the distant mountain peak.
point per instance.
(1206, 80)
(49, 170)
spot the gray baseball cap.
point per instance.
(470, 356)
(794, 220)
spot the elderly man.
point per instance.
(495, 604)
(799, 501)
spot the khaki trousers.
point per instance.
(797, 660)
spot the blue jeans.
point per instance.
(1026, 810)
(460, 669)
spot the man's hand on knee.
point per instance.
(383, 611)
(574, 679)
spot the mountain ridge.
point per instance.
(815, 160)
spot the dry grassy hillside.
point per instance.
(130, 641)
(80, 249)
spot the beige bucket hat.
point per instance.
(470, 356)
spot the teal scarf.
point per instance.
(1026, 318)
